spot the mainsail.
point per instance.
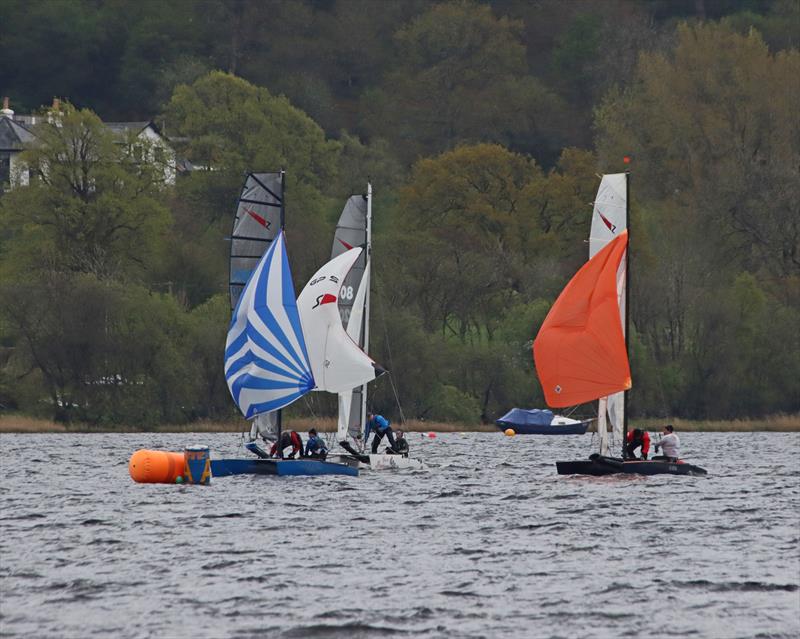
(580, 350)
(609, 219)
(353, 230)
(337, 362)
(257, 222)
(266, 362)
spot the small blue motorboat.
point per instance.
(535, 421)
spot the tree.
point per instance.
(232, 127)
(460, 77)
(713, 127)
(93, 206)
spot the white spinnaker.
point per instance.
(609, 219)
(354, 331)
(338, 364)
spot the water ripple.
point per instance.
(489, 542)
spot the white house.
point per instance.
(17, 131)
(13, 138)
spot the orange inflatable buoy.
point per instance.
(155, 466)
(431, 435)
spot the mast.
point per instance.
(627, 302)
(279, 415)
(367, 268)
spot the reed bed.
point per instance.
(16, 423)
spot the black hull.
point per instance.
(600, 466)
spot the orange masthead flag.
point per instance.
(580, 350)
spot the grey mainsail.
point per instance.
(257, 222)
(354, 229)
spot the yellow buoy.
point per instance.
(510, 432)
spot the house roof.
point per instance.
(120, 128)
(13, 136)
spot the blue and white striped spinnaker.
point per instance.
(266, 361)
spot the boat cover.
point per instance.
(527, 417)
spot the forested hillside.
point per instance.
(482, 126)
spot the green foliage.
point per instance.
(460, 77)
(233, 127)
(449, 404)
(94, 208)
(112, 308)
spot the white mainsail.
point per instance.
(609, 219)
(337, 362)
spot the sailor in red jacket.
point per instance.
(288, 438)
(637, 437)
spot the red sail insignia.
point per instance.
(607, 222)
(262, 221)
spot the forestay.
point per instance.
(266, 361)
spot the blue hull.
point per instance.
(535, 429)
(281, 467)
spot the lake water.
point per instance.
(489, 542)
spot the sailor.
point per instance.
(637, 438)
(670, 443)
(315, 447)
(380, 425)
(400, 445)
(288, 438)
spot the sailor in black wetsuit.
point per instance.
(400, 445)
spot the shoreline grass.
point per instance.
(16, 423)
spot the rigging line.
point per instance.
(327, 437)
(397, 399)
(388, 350)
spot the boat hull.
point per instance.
(578, 428)
(599, 466)
(280, 467)
(387, 462)
(380, 461)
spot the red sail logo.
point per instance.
(326, 298)
(262, 221)
(607, 222)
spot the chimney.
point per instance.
(6, 110)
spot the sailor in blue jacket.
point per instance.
(315, 447)
(380, 425)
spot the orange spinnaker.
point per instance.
(580, 350)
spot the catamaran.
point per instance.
(354, 229)
(277, 349)
(581, 350)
